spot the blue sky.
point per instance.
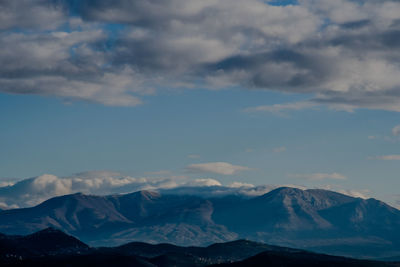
(281, 106)
(45, 135)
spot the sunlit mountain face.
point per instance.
(196, 122)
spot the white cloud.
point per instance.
(5, 206)
(396, 201)
(389, 157)
(319, 176)
(32, 191)
(354, 193)
(313, 104)
(223, 168)
(31, 14)
(281, 108)
(279, 149)
(204, 182)
(6, 183)
(363, 193)
(239, 185)
(396, 130)
(35, 190)
(51, 183)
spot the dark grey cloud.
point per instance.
(344, 52)
(31, 14)
(283, 70)
(356, 24)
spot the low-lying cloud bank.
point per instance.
(32, 191)
(343, 52)
(223, 168)
(319, 176)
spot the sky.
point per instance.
(113, 96)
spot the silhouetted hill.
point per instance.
(302, 258)
(219, 252)
(86, 260)
(52, 247)
(46, 242)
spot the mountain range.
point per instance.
(318, 220)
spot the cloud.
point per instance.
(6, 183)
(32, 191)
(5, 206)
(223, 168)
(193, 156)
(65, 49)
(239, 185)
(279, 149)
(43, 64)
(235, 188)
(397, 201)
(364, 193)
(354, 193)
(313, 104)
(388, 157)
(31, 14)
(396, 130)
(281, 108)
(319, 176)
(204, 182)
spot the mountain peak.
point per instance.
(282, 192)
(49, 230)
(142, 195)
(52, 240)
(287, 189)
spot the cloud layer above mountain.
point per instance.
(344, 53)
(32, 191)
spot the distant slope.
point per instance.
(295, 259)
(91, 259)
(215, 253)
(51, 247)
(320, 220)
